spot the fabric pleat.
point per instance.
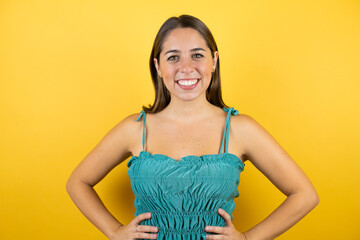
(184, 196)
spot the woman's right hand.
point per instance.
(134, 230)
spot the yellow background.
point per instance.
(71, 70)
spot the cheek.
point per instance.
(206, 70)
(169, 78)
(205, 66)
(168, 70)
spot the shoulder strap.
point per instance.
(143, 115)
(227, 128)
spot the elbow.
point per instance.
(73, 184)
(315, 199)
(312, 199)
(308, 199)
(68, 186)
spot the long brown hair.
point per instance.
(162, 95)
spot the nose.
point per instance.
(186, 66)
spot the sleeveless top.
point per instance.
(184, 196)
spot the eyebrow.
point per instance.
(192, 50)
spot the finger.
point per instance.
(145, 236)
(141, 218)
(146, 228)
(214, 229)
(215, 237)
(226, 216)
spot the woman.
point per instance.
(183, 184)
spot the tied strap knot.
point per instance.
(231, 110)
(142, 113)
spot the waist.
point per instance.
(173, 224)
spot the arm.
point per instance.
(111, 151)
(272, 160)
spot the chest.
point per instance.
(178, 140)
(192, 175)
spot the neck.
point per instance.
(188, 110)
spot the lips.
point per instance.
(188, 83)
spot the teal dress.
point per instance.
(184, 196)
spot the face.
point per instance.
(186, 64)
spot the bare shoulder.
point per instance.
(244, 122)
(128, 123)
(258, 144)
(118, 141)
(247, 128)
(112, 149)
(127, 129)
(247, 133)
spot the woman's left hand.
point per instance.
(226, 233)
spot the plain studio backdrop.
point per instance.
(71, 70)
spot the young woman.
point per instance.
(186, 157)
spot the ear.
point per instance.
(157, 67)
(216, 56)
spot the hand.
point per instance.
(226, 233)
(134, 230)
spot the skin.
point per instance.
(182, 129)
(192, 59)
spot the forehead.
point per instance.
(184, 39)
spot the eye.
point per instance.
(197, 55)
(172, 58)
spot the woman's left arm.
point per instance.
(272, 160)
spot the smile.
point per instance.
(187, 82)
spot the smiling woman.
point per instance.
(184, 169)
(185, 63)
(172, 48)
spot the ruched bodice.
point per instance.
(184, 196)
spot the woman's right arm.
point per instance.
(110, 151)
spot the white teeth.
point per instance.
(187, 82)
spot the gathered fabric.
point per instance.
(184, 195)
